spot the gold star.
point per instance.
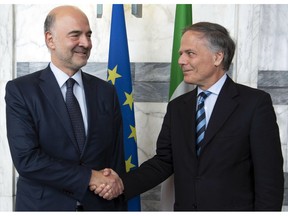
(133, 133)
(113, 75)
(128, 164)
(129, 100)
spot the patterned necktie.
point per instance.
(75, 114)
(200, 120)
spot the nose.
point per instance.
(85, 41)
(182, 60)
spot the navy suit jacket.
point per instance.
(240, 166)
(52, 173)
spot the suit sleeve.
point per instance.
(267, 157)
(155, 170)
(30, 161)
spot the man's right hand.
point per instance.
(106, 183)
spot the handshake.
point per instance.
(106, 183)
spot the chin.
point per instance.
(188, 79)
(81, 64)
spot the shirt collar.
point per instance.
(216, 88)
(62, 77)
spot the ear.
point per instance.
(49, 40)
(218, 58)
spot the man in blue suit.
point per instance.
(54, 172)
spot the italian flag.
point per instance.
(183, 18)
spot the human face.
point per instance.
(200, 65)
(70, 40)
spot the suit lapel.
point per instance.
(89, 90)
(188, 111)
(51, 90)
(223, 108)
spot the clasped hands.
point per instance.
(106, 183)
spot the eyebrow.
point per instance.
(78, 32)
(185, 51)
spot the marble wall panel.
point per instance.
(150, 200)
(285, 202)
(6, 73)
(149, 37)
(273, 51)
(145, 40)
(273, 79)
(6, 204)
(150, 71)
(246, 37)
(276, 84)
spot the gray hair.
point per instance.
(49, 21)
(218, 38)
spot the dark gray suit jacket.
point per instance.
(240, 166)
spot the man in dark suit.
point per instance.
(234, 162)
(55, 167)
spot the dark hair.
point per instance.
(218, 38)
(49, 21)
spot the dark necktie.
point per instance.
(200, 120)
(75, 114)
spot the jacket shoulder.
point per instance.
(184, 97)
(97, 84)
(250, 91)
(27, 80)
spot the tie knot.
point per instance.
(203, 95)
(70, 83)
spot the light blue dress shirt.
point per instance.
(211, 100)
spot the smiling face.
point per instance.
(69, 39)
(200, 65)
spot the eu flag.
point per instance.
(119, 74)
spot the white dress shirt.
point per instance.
(78, 89)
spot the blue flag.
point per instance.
(119, 74)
